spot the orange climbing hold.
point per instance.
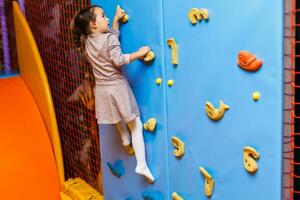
(248, 61)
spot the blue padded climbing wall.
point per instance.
(207, 71)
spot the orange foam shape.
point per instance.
(248, 61)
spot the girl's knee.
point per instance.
(135, 123)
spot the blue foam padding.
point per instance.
(207, 71)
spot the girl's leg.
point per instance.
(136, 129)
(125, 137)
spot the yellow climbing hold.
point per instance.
(209, 182)
(125, 18)
(193, 15)
(129, 149)
(76, 188)
(256, 96)
(196, 14)
(203, 14)
(174, 50)
(214, 113)
(170, 82)
(250, 154)
(179, 147)
(150, 125)
(149, 56)
(158, 81)
(176, 196)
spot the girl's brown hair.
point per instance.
(82, 23)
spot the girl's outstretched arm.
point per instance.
(115, 53)
(139, 54)
(120, 13)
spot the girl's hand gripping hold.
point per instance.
(143, 51)
(120, 13)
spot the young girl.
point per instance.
(114, 100)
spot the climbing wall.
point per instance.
(206, 73)
(137, 32)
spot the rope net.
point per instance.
(291, 142)
(71, 82)
(8, 52)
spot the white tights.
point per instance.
(136, 129)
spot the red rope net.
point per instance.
(71, 84)
(11, 35)
(12, 62)
(1, 50)
(291, 147)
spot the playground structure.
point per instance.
(30, 148)
(164, 164)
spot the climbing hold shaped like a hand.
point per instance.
(203, 14)
(150, 125)
(209, 182)
(250, 155)
(179, 147)
(174, 48)
(214, 113)
(196, 15)
(248, 61)
(176, 196)
(149, 56)
(193, 15)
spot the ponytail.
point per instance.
(77, 36)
